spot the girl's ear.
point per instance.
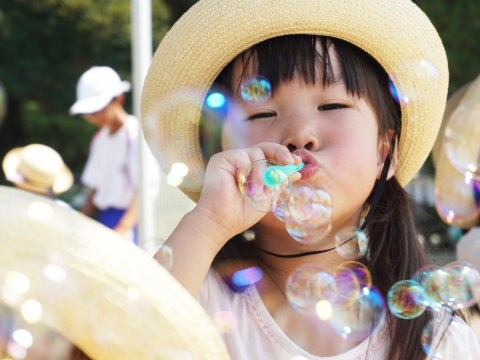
(384, 145)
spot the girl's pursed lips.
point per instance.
(311, 164)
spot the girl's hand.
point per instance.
(221, 200)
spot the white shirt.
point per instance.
(112, 166)
(255, 334)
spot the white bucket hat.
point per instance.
(96, 88)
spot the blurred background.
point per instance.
(47, 44)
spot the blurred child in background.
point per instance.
(112, 166)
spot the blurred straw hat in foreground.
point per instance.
(456, 200)
(104, 295)
(37, 168)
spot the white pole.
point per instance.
(141, 58)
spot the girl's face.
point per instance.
(327, 128)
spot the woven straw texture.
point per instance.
(213, 32)
(443, 167)
(95, 307)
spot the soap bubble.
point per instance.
(351, 243)
(283, 214)
(429, 337)
(455, 291)
(359, 320)
(472, 278)
(256, 90)
(433, 285)
(305, 207)
(406, 299)
(360, 271)
(415, 83)
(348, 286)
(309, 284)
(309, 235)
(457, 199)
(461, 139)
(254, 190)
(164, 256)
(422, 274)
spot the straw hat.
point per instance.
(37, 168)
(443, 168)
(213, 32)
(100, 292)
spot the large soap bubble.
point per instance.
(360, 319)
(461, 139)
(351, 243)
(406, 299)
(457, 199)
(418, 85)
(309, 284)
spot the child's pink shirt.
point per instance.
(257, 336)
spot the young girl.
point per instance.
(331, 108)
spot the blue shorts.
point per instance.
(110, 217)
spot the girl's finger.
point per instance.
(277, 152)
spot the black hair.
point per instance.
(393, 241)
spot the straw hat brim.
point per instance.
(443, 168)
(213, 32)
(94, 307)
(11, 163)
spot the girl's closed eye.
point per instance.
(329, 107)
(261, 116)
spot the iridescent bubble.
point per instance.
(457, 199)
(472, 278)
(309, 284)
(247, 276)
(283, 214)
(429, 334)
(305, 208)
(455, 291)
(461, 139)
(434, 283)
(164, 256)
(309, 235)
(351, 243)
(406, 299)
(348, 286)
(256, 90)
(415, 83)
(422, 274)
(361, 273)
(359, 320)
(261, 197)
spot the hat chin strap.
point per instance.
(376, 199)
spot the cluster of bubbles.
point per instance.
(305, 208)
(455, 286)
(344, 297)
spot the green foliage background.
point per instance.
(45, 45)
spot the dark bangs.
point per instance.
(307, 57)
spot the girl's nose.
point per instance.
(301, 135)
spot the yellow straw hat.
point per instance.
(100, 292)
(213, 32)
(37, 168)
(446, 174)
